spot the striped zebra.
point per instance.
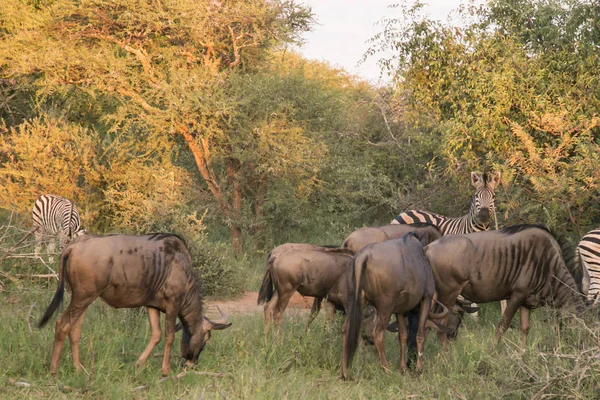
(481, 211)
(587, 255)
(54, 216)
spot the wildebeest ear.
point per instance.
(219, 327)
(214, 325)
(476, 179)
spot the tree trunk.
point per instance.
(261, 191)
(230, 212)
(235, 231)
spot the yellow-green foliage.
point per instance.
(131, 185)
(46, 156)
(514, 91)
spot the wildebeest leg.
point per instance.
(314, 311)
(381, 322)
(282, 302)
(514, 303)
(63, 327)
(524, 314)
(154, 320)
(402, 338)
(423, 315)
(74, 336)
(170, 322)
(329, 310)
(269, 310)
(345, 328)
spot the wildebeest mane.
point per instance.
(511, 230)
(424, 225)
(162, 235)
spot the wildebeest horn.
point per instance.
(442, 314)
(463, 302)
(223, 319)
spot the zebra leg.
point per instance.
(39, 239)
(51, 248)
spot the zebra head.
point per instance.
(482, 204)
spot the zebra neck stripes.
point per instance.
(447, 225)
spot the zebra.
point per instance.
(587, 255)
(481, 210)
(55, 216)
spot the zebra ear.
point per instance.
(494, 181)
(476, 179)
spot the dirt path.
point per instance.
(247, 304)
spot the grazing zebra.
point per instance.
(55, 216)
(587, 255)
(478, 219)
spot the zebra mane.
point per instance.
(511, 230)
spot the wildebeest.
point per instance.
(481, 210)
(365, 236)
(309, 269)
(128, 271)
(523, 264)
(395, 277)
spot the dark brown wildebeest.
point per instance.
(358, 239)
(128, 271)
(309, 269)
(395, 277)
(523, 264)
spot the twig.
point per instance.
(29, 316)
(18, 243)
(37, 276)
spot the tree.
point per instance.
(511, 88)
(166, 65)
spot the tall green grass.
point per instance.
(244, 363)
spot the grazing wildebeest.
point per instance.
(128, 271)
(309, 269)
(481, 210)
(358, 239)
(395, 277)
(523, 264)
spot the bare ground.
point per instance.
(246, 304)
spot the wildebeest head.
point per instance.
(482, 206)
(192, 343)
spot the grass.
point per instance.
(243, 363)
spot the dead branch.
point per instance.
(28, 317)
(184, 373)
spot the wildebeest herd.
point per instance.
(425, 269)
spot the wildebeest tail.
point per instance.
(266, 289)
(355, 277)
(60, 291)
